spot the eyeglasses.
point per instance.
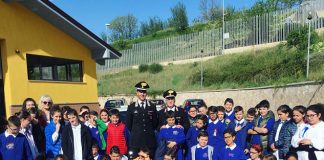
(45, 102)
(193, 111)
(253, 152)
(311, 115)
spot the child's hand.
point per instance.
(273, 147)
(246, 151)
(58, 125)
(237, 128)
(171, 144)
(179, 126)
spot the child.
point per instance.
(212, 129)
(95, 151)
(231, 151)
(220, 128)
(191, 137)
(115, 154)
(228, 105)
(255, 152)
(97, 127)
(279, 139)
(192, 115)
(201, 151)
(53, 132)
(250, 114)
(202, 110)
(262, 126)
(143, 154)
(59, 157)
(13, 144)
(240, 127)
(173, 135)
(26, 130)
(117, 133)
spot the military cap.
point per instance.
(169, 93)
(142, 86)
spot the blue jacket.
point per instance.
(12, 148)
(52, 148)
(236, 154)
(173, 134)
(241, 135)
(192, 135)
(283, 144)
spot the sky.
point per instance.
(94, 14)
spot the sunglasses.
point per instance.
(49, 103)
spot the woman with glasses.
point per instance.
(255, 152)
(45, 104)
(309, 141)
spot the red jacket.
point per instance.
(116, 137)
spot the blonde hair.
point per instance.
(42, 98)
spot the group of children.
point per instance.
(216, 133)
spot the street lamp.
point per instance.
(309, 25)
(223, 28)
(107, 27)
(201, 68)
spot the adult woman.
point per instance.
(45, 104)
(310, 141)
(255, 152)
(29, 103)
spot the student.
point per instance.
(291, 156)
(299, 116)
(117, 133)
(115, 154)
(262, 126)
(202, 110)
(202, 151)
(255, 152)
(228, 105)
(59, 157)
(212, 129)
(29, 103)
(192, 115)
(240, 127)
(95, 151)
(25, 129)
(13, 144)
(104, 116)
(191, 137)
(220, 128)
(143, 154)
(97, 127)
(170, 154)
(84, 109)
(278, 134)
(172, 135)
(64, 110)
(250, 114)
(53, 133)
(231, 150)
(79, 134)
(312, 141)
(269, 157)
(37, 130)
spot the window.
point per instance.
(55, 69)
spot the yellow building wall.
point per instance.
(23, 30)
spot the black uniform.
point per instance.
(142, 124)
(180, 117)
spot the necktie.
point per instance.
(142, 105)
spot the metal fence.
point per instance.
(267, 28)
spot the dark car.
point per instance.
(193, 102)
(159, 103)
(119, 104)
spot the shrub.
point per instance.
(143, 68)
(155, 68)
(299, 38)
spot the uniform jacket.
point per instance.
(142, 124)
(180, 117)
(68, 144)
(241, 135)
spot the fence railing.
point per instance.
(267, 28)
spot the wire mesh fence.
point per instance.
(267, 28)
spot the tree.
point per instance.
(123, 27)
(152, 26)
(179, 19)
(209, 10)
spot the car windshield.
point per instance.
(157, 102)
(114, 103)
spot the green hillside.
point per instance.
(275, 66)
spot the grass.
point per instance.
(276, 66)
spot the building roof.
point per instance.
(51, 13)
